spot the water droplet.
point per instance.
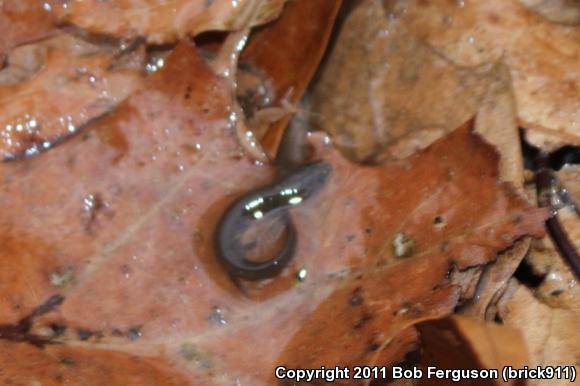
(126, 270)
(154, 65)
(33, 150)
(89, 202)
(295, 200)
(301, 274)
(217, 317)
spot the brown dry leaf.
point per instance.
(557, 11)
(22, 21)
(463, 343)
(67, 90)
(163, 21)
(384, 94)
(548, 332)
(493, 282)
(408, 71)
(543, 57)
(373, 90)
(120, 221)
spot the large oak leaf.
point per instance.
(120, 219)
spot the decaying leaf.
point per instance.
(163, 21)
(289, 52)
(276, 66)
(404, 72)
(373, 90)
(548, 331)
(463, 343)
(22, 21)
(120, 222)
(542, 56)
(53, 88)
(385, 94)
(56, 365)
(557, 11)
(549, 311)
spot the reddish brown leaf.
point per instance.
(68, 91)
(163, 21)
(59, 365)
(120, 221)
(462, 343)
(22, 21)
(289, 51)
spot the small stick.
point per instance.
(544, 182)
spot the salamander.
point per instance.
(273, 200)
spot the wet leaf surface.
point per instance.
(120, 221)
(59, 86)
(289, 51)
(163, 21)
(22, 21)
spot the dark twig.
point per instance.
(20, 332)
(544, 185)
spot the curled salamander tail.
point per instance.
(273, 200)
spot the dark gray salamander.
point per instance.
(272, 200)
